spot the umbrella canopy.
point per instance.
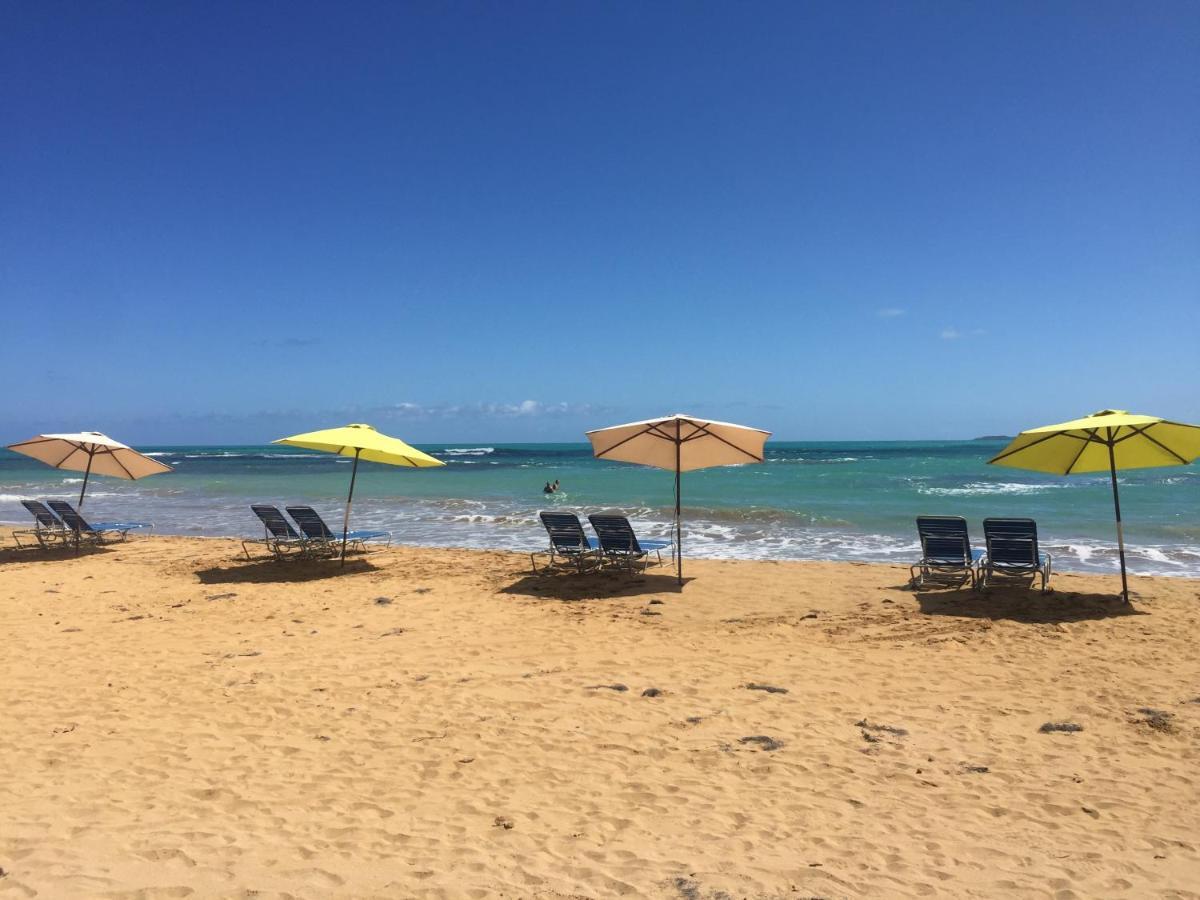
(1106, 441)
(360, 442)
(680, 443)
(92, 453)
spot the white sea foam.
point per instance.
(980, 488)
(232, 454)
(817, 460)
(1084, 552)
(465, 451)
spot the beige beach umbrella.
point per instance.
(680, 443)
(91, 453)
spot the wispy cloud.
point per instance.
(401, 411)
(418, 421)
(527, 409)
(890, 312)
(953, 334)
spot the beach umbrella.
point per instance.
(361, 442)
(1107, 441)
(679, 444)
(91, 453)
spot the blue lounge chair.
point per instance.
(946, 554)
(47, 531)
(279, 537)
(621, 547)
(1012, 550)
(100, 533)
(321, 539)
(568, 542)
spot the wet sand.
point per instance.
(432, 723)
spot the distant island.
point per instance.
(994, 437)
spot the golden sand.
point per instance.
(433, 723)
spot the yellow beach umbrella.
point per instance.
(1106, 441)
(91, 453)
(679, 443)
(361, 442)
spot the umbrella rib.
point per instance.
(1160, 443)
(622, 442)
(74, 446)
(124, 467)
(657, 431)
(32, 442)
(1081, 450)
(1034, 443)
(734, 446)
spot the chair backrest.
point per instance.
(565, 530)
(67, 513)
(274, 522)
(310, 523)
(45, 519)
(1011, 542)
(615, 533)
(944, 538)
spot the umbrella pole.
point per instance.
(86, 473)
(1112, 470)
(349, 497)
(678, 522)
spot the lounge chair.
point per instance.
(47, 531)
(946, 554)
(1012, 550)
(621, 547)
(100, 533)
(321, 539)
(279, 537)
(567, 542)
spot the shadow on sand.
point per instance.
(270, 571)
(592, 586)
(38, 554)
(1018, 604)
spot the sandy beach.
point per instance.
(434, 723)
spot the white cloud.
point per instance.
(527, 409)
(953, 334)
(890, 312)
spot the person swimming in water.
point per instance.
(548, 489)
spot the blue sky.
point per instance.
(514, 221)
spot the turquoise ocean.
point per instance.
(841, 501)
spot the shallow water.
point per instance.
(846, 500)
